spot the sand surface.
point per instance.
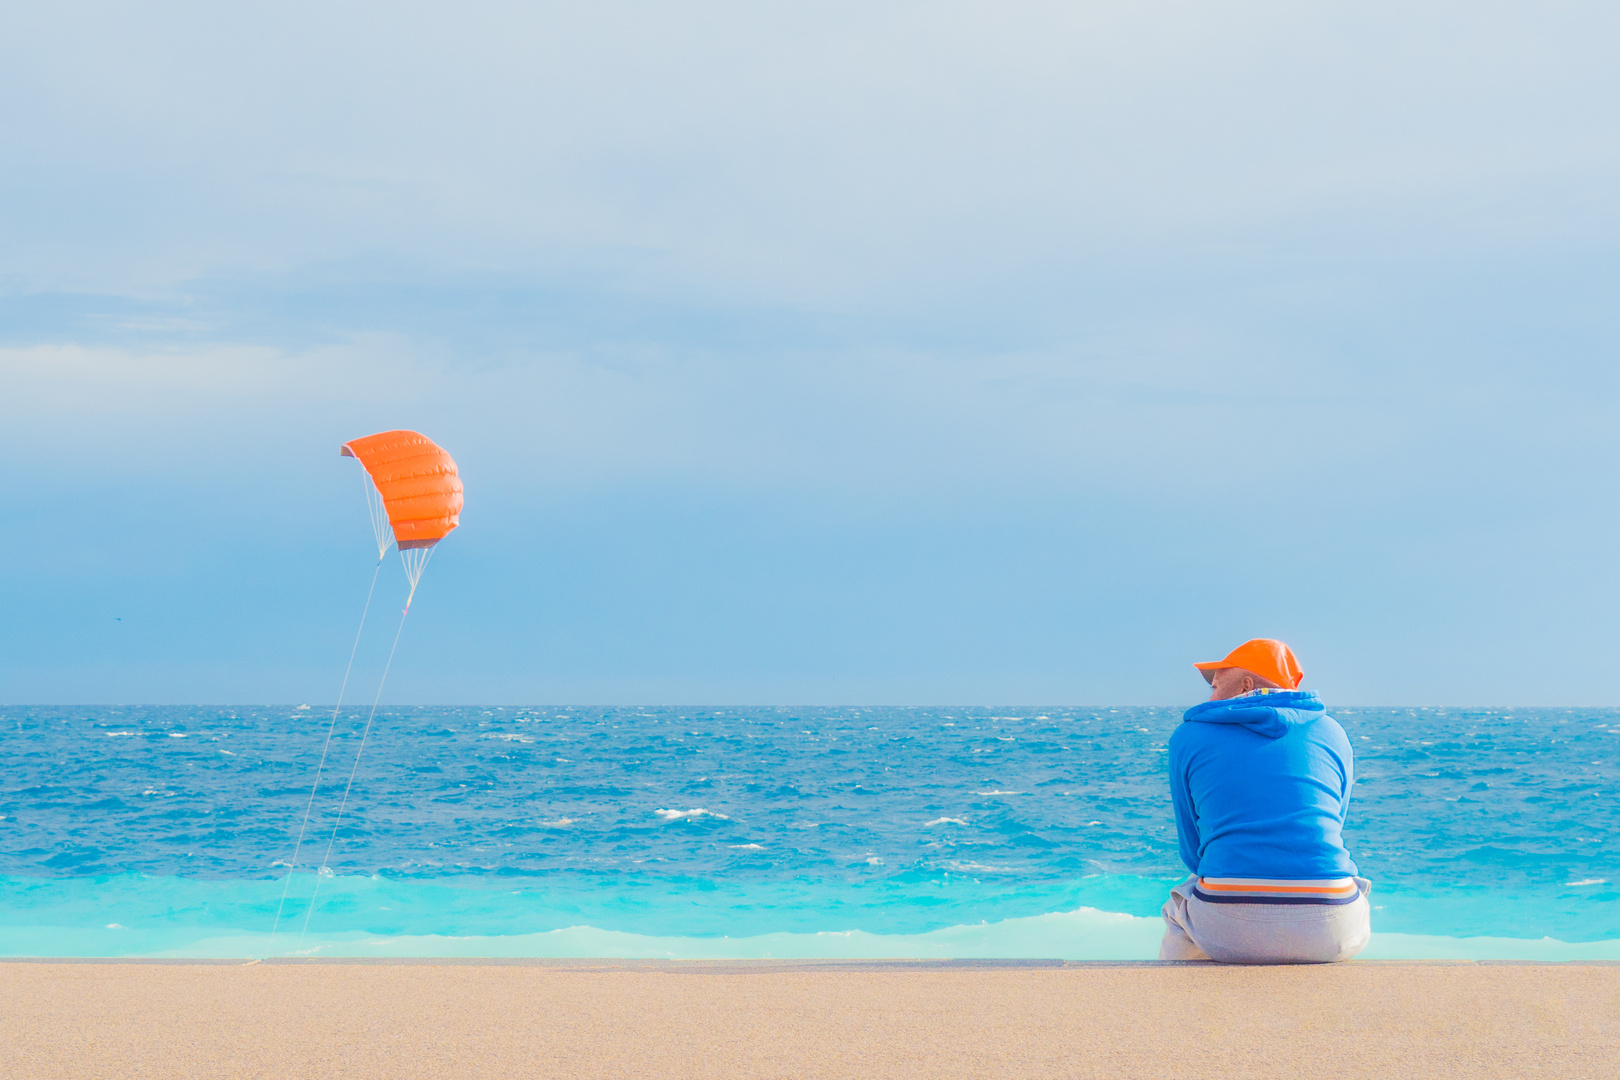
(601, 1019)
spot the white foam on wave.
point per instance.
(945, 821)
(998, 793)
(979, 868)
(746, 847)
(688, 815)
(555, 823)
(1085, 933)
(1588, 881)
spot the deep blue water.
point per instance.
(149, 829)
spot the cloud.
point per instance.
(855, 155)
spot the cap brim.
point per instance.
(1208, 670)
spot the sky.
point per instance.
(881, 353)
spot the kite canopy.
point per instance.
(418, 483)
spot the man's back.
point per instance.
(1260, 777)
(1261, 785)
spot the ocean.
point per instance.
(761, 832)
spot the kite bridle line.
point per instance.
(415, 560)
(292, 867)
(378, 511)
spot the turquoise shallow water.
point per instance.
(755, 832)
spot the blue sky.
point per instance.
(896, 353)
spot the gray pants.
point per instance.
(1195, 929)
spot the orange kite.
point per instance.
(417, 480)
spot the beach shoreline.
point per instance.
(743, 965)
(401, 1018)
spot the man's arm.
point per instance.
(1181, 799)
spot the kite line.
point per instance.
(292, 867)
(327, 858)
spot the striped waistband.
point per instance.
(1275, 891)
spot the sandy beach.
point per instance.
(84, 1020)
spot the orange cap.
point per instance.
(1271, 660)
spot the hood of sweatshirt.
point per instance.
(1269, 714)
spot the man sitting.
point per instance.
(1260, 776)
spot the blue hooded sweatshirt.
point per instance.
(1261, 785)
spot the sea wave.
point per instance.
(1474, 825)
